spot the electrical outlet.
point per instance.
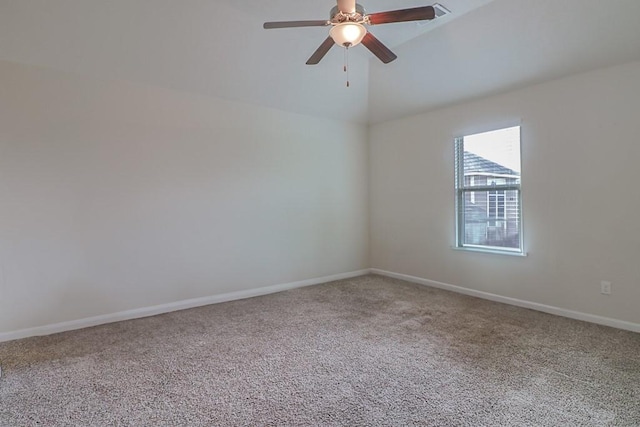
(605, 288)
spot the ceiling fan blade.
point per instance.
(347, 6)
(378, 49)
(403, 15)
(292, 24)
(321, 51)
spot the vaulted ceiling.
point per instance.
(218, 48)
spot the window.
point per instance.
(488, 199)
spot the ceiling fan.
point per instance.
(348, 20)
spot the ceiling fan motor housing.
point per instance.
(338, 17)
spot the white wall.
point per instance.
(115, 196)
(581, 203)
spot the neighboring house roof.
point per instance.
(475, 163)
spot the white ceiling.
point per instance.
(504, 45)
(218, 48)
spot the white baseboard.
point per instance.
(231, 296)
(173, 306)
(607, 321)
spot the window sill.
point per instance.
(489, 251)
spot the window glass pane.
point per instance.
(492, 158)
(492, 218)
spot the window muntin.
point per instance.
(488, 197)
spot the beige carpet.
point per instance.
(367, 351)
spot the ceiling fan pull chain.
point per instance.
(346, 63)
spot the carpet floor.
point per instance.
(367, 351)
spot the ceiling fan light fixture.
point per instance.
(348, 34)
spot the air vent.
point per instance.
(441, 10)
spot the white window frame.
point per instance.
(461, 189)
